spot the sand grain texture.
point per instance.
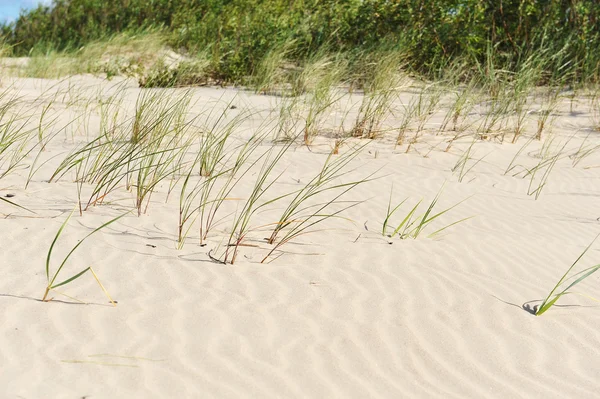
(343, 314)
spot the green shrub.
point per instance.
(239, 33)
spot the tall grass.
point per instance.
(270, 73)
(299, 213)
(545, 115)
(524, 83)
(425, 106)
(209, 164)
(548, 155)
(127, 53)
(302, 213)
(52, 277)
(464, 99)
(148, 152)
(383, 78)
(17, 136)
(213, 193)
(545, 166)
(264, 181)
(313, 91)
(585, 150)
(319, 80)
(466, 162)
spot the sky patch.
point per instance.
(9, 9)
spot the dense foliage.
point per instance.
(237, 33)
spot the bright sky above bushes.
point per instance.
(9, 9)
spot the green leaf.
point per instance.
(15, 204)
(51, 283)
(71, 278)
(58, 233)
(552, 297)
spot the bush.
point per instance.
(238, 33)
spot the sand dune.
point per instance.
(345, 312)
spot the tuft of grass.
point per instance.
(408, 114)
(546, 164)
(212, 195)
(413, 226)
(16, 137)
(148, 150)
(314, 90)
(524, 82)
(241, 223)
(51, 278)
(462, 165)
(584, 151)
(566, 282)
(320, 79)
(548, 157)
(463, 102)
(270, 74)
(302, 213)
(545, 115)
(513, 165)
(426, 104)
(209, 164)
(383, 80)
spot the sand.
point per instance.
(343, 313)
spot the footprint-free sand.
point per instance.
(344, 312)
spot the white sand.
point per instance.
(342, 314)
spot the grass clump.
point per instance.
(149, 149)
(584, 151)
(313, 91)
(414, 224)
(466, 162)
(424, 107)
(241, 223)
(212, 162)
(18, 136)
(51, 278)
(383, 80)
(566, 282)
(270, 75)
(320, 78)
(546, 165)
(303, 212)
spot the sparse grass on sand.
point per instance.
(221, 180)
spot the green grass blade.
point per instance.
(390, 213)
(548, 305)
(548, 302)
(58, 233)
(407, 218)
(70, 279)
(15, 204)
(76, 246)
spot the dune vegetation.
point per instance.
(358, 198)
(233, 38)
(484, 82)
